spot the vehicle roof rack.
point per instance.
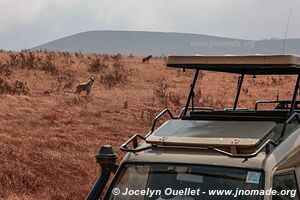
(250, 64)
(282, 104)
(265, 144)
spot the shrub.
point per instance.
(18, 87)
(164, 96)
(5, 88)
(78, 54)
(245, 90)
(277, 81)
(161, 93)
(26, 60)
(23, 60)
(113, 77)
(64, 81)
(118, 65)
(117, 57)
(175, 99)
(105, 57)
(147, 116)
(5, 70)
(49, 66)
(13, 60)
(66, 54)
(130, 55)
(214, 102)
(97, 65)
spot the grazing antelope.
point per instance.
(146, 59)
(85, 86)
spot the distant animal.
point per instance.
(85, 86)
(146, 59)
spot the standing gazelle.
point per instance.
(85, 86)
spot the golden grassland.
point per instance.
(49, 135)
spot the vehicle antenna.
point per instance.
(286, 29)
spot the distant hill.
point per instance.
(160, 43)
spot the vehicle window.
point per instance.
(133, 178)
(176, 182)
(286, 186)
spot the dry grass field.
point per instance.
(49, 135)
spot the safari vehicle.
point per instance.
(247, 154)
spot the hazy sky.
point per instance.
(28, 23)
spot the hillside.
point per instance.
(49, 135)
(160, 43)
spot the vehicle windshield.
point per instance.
(183, 182)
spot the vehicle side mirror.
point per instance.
(106, 158)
